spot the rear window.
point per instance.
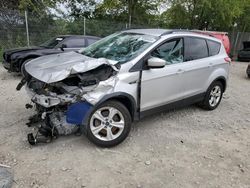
(214, 47)
(52, 42)
(195, 48)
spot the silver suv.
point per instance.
(102, 89)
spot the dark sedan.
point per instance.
(244, 54)
(14, 59)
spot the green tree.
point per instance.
(242, 23)
(204, 14)
(38, 6)
(138, 11)
(80, 8)
(10, 4)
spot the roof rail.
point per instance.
(208, 32)
(176, 31)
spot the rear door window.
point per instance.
(195, 48)
(75, 43)
(214, 47)
(91, 40)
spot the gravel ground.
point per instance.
(188, 147)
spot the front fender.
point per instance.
(122, 97)
(22, 58)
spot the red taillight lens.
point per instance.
(228, 59)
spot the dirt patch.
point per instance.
(188, 147)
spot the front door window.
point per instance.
(171, 51)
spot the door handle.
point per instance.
(180, 71)
(210, 64)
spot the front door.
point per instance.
(164, 85)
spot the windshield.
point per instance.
(120, 47)
(52, 42)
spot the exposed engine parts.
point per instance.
(53, 124)
(67, 91)
(52, 100)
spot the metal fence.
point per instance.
(13, 31)
(237, 39)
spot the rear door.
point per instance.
(197, 67)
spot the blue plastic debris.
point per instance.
(77, 112)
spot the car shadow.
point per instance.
(172, 114)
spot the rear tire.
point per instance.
(213, 96)
(109, 124)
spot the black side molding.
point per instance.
(174, 105)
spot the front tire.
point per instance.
(109, 124)
(213, 96)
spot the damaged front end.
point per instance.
(63, 102)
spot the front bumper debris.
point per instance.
(53, 124)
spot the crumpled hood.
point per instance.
(54, 68)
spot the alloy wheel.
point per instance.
(107, 123)
(215, 96)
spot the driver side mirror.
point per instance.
(63, 46)
(156, 63)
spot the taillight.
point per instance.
(228, 59)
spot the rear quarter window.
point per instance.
(213, 47)
(91, 40)
(75, 43)
(195, 48)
